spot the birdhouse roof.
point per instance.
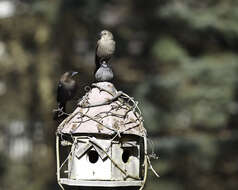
(104, 110)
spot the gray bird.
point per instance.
(104, 73)
(105, 49)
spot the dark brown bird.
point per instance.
(105, 48)
(66, 90)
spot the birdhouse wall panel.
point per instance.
(128, 159)
(90, 162)
(132, 166)
(117, 157)
(85, 168)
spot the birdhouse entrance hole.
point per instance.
(93, 156)
(128, 152)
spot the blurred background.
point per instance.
(178, 58)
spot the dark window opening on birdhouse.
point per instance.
(127, 152)
(93, 156)
(125, 155)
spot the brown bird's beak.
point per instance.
(74, 73)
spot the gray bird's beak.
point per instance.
(99, 35)
(74, 73)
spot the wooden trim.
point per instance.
(72, 182)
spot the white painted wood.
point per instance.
(131, 167)
(83, 169)
(99, 183)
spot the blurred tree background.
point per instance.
(178, 58)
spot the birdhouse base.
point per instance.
(71, 182)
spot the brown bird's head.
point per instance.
(68, 76)
(107, 35)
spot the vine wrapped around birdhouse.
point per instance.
(105, 139)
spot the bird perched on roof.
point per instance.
(66, 90)
(105, 48)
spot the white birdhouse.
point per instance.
(103, 142)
